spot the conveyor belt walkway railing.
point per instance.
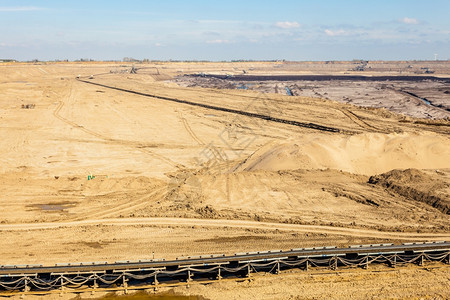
(124, 273)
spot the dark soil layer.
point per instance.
(417, 185)
(323, 78)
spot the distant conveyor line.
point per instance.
(224, 109)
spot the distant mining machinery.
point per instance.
(362, 65)
(135, 69)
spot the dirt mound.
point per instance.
(296, 197)
(370, 153)
(417, 185)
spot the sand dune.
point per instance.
(367, 154)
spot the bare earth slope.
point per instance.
(417, 185)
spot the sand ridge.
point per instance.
(367, 153)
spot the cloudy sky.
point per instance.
(225, 30)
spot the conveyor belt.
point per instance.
(222, 259)
(224, 109)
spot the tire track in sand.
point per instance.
(122, 208)
(357, 120)
(132, 144)
(189, 130)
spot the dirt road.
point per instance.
(233, 224)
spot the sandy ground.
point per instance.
(148, 238)
(173, 179)
(379, 282)
(408, 283)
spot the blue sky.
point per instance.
(225, 30)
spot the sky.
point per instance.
(225, 30)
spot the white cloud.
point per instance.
(217, 21)
(218, 42)
(410, 21)
(19, 8)
(287, 25)
(339, 32)
(13, 45)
